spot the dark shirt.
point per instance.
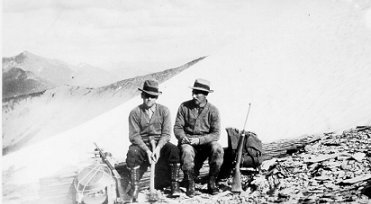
(196, 122)
(141, 126)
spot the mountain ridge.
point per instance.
(17, 81)
(55, 72)
(53, 111)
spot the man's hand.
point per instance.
(149, 156)
(155, 155)
(248, 133)
(194, 141)
(185, 140)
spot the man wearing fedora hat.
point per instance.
(197, 128)
(151, 119)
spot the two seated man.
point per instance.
(197, 128)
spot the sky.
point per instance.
(119, 33)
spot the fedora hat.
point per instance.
(202, 85)
(151, 87)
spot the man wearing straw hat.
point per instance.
(152, 119)
(197, 128)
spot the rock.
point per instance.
(266, 165)
(334, 169)
(358, 156)
(356, 179)
(341, 174)
(325, 157)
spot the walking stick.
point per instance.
(153, 197)
(236, 182)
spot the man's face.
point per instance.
(199, 97)
(149, 100)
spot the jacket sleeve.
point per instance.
(166, 128)
(134, 131)
(179, 124)
(214, 127)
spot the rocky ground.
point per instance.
(333, 169)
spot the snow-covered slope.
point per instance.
(32, 118)
(304, 66)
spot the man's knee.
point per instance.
(187, 150)
(216, 148)
(217, 153)
(172, 152)
(173, 149)
(188, 155)
(134, 150)
(134, 156)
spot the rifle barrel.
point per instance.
(247, 116)
(236, 182)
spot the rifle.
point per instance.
(119, 189)
(236, 182)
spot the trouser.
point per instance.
(169, 154)
(194, 156)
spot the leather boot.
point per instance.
(175, 170)
(211, 186)
(191, 191)
(134, 177)
(184, 182)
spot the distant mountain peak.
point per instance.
(25, 52)
(20, 58)
(58, 72)
(26, 55)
